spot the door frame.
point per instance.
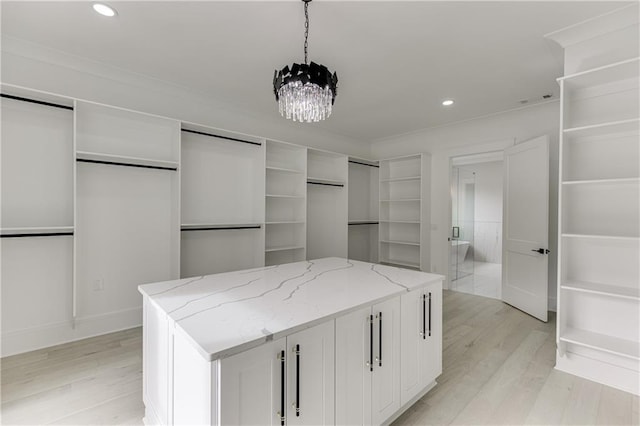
(473, 158)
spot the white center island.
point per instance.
(321, 342)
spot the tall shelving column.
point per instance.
(286, 232)
(37, 219)
(127, 210)
(405, 219)
(222, 213)
(363, 209)
(327, 204)
(598, 334)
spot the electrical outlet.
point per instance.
(98, 285)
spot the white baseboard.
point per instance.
(599, 371)
(29, 339)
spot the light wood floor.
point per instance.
(497, 369)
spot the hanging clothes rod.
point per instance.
(42, 234)
(309, 182)
(116, 163)
(364, 223)
(35, 101)
(196, 132)
(221, 228)
(364, 164)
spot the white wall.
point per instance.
(484, 134)
(36, 67)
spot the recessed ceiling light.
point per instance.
(447, 102)
(104, 10)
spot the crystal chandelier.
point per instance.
(305, 92)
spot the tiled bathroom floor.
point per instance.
(486, 281)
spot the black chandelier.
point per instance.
(305, 92)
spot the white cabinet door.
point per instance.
(251, 381)
(432, 362)
(353, 372)
(385, 388)
(251, 384)
(421, 340)
(311, 376)
(413, 344)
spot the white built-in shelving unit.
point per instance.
(404, 213)
(598, 334)
(97, 200)
(127, 207)
(37, 216)
(285, 201)
(327, 204)
(363, 209)
(222, 212)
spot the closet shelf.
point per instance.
(402, 263)
(602, 237)
(300, 197)
(285, 248)
(125, 160)
(601, 181)
(617, 71)
(612, 127)
(602, 289)
(404, 243)
(217, 226)
(601, 342)
(401, 179)
(400, 200)
(284, 170)
(37, 231)
(400, 221)
(286, 222)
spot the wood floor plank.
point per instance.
(582, 405)
(53, 404)
(122, 410)
(615, 408)
(552, 399)
(515, 409)
(502, 384)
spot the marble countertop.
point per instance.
(224, 314)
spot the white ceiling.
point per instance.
(396, 61)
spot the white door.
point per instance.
(526, 227)
(311, 376)
(353, 369)
(385, 388)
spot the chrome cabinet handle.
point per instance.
(424, 317)
(281, 357)
(429, 313)
(296, 405)
(379, 359)
(370, 362)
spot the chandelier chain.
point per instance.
(306, 31)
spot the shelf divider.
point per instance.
(601, 342)
(602, 289)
